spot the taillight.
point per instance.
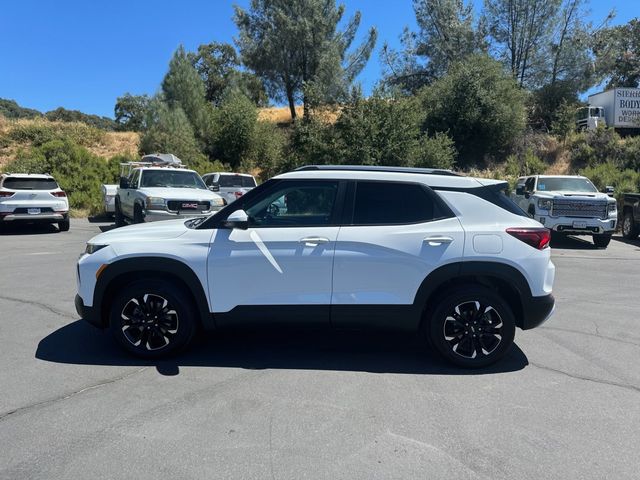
(238, 194)
(6, 194)
(538, 238)
(59, 194)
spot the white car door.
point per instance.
(388, 250)
(281, 265)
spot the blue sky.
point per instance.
(84, 54)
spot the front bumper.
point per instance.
(537, 310)
(578, 226)
(90, 314)
(157, 215)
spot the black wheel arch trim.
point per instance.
(104, 288)
(531, 310)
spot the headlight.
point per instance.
(218, 202)
(545, 204)
(156, 202)
(612, 209)
(93, 248)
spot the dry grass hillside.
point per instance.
(16, 135)
(282, 115)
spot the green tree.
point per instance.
(295, 45)
(479, 106)
(219, 67)
(520, 30)
(446, 32)
(235, 125)
(131, 112)
(184, 89)
(169, 131)
(617, 52)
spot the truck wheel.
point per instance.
(629, 229)
(602, 240)
(472, 327)
(119, 217)
(152, 318)
(137, 214)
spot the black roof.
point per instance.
(377, 168)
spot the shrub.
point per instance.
(526, 164)
(624, 181)
(234, 129)
(437, 151)
(40, 132)
(594, 147)
(267, 150)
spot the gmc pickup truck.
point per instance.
(569, 205)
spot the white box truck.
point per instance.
(618, 108)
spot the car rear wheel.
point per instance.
(602, 240)
(629, 229)
(64, 225)
(471, 327)
(152, 318)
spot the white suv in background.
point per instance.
(33, 198)
(230, 185)
(454, 259)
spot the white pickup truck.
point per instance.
(159, 188)
(569, 205)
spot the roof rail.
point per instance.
(378, 168)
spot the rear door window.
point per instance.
(392, 203)
(236, 181)
(15, 183)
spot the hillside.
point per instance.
(17, 135)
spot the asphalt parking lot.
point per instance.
(289, 405)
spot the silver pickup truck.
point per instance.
(569, 204)
(159, 188)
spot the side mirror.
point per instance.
(214, 187)
(520, 189)
(124, 182)
(238, 219)
(609, 190)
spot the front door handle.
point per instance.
(436, 241)
(314, 241)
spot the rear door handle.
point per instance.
(314, 241)
(436, 241)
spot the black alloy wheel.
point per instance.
(151, 318)
(472, 327)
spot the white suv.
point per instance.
(230, 185)
(33, 198)
(454, 259)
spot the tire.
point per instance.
(137, 214)
(602, 240)
(461, 315)
(135, 327)
(64, 225)
(629, 228)
(119, 217)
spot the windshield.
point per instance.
(556, 184)
(171, 178)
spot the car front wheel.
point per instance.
(472, 327)
(152, 318)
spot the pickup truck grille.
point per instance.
(579, 208)
(188, 206)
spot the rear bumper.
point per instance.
(41, 217)
(537, 310)
(90, 314)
